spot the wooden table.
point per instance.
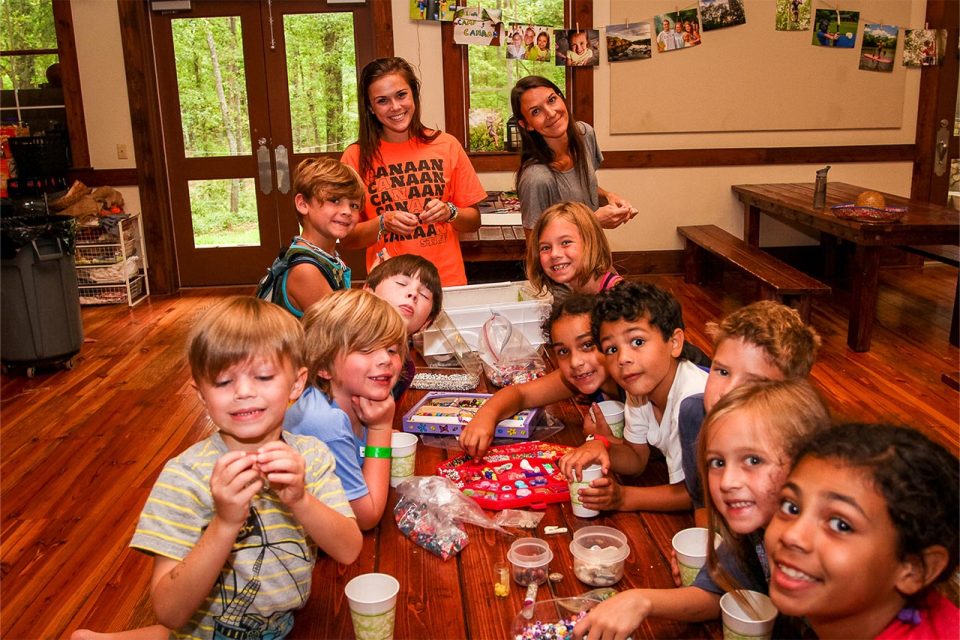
(494, 244)
(924, 223)
(455, 598)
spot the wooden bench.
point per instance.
(778, 280)
(947, 254)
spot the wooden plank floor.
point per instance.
(80, 449)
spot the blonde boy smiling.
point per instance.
(220, 512)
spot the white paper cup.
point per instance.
(613, 414)
(690, 545)
(740, 624)
(373, 605)
(592, 472)
(404, 447)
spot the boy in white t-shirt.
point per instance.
(639, 328)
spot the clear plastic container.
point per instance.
(529, 560)
(598, 555)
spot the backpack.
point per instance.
(271, 286)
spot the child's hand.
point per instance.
(614, 619)
(284, 469)
(675, 568)
(477, 436)
(233, 484)
(572, 464)
(603, 494)
(597, 423)
(375, 414)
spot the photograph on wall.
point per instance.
(578, 48)
(793, 15)
(719, 14)
(486, 130)
(528, 42)
(628, 41)
(835, 28)
(678, 30)
(924, 47)
(879, 47)
(476, 26)
(433, 10)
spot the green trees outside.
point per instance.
(27, 25)
(212, 86)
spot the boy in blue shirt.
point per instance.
(355, 345)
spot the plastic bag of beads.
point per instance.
(507, 356)
(430, 512)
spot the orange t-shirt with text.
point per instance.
(404, 177)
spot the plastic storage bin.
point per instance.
(40, 317)
(471, 305)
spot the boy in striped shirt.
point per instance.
(235, 521)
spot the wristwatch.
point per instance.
(454, 212)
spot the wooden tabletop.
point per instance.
(923, 223)
(493, 243)
(455, 598)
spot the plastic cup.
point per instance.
(690, 545)
(373, 605)
(404, 447)
(739, 623)
(592, 472)
(613, 414)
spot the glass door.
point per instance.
(248, 89)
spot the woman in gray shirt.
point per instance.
(559, 158)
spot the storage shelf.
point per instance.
(111, 263)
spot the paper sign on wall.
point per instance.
(473, 25)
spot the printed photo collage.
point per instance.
(681, 29)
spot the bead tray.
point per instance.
(446, 413)
(523, 474)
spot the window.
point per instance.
(492, 75)
(467, 86)
(39, 81)
(30, 67)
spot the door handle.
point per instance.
(263, 167)
(940, 149)
(283, 168)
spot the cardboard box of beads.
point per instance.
(445, 413)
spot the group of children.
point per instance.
(847, 527)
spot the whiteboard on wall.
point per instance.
(753, 78)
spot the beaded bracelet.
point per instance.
(383, 228)
(377, 452)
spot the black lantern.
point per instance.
(513, 141)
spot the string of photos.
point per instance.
(683, 28)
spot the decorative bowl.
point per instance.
(868, 214)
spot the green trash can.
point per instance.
(40, 323)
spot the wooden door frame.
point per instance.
(143, 92)
(940, 85)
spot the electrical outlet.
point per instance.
(122, 153)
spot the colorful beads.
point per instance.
(550, 630)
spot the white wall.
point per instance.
(103, 82)
(667, 198)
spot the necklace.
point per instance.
(315, 247)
